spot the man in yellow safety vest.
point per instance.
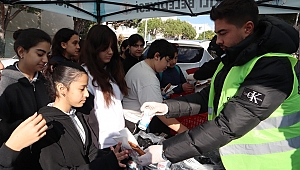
(253, 101)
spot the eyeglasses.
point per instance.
(137, 46)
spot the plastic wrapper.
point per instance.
(124, 137)
(166, 92)
(132, 165)
(213, 158)
(191, 164)
(207, 161)
(201, 84)
(147, 139)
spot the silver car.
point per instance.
(191, 54)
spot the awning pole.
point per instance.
(98, 11)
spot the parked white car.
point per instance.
(191, 53)
(9, 61)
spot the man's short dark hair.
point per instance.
(236, 12)
(163, 47)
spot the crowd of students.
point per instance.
(74, 110)
(61, 111)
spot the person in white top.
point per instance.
(144, 86)
(106, 83)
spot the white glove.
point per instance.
(190, 77)
(153, 155)
(155, 108)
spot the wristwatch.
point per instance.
(163, 156)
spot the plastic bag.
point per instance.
(147, 139)
(191, 164)
(207, 161)
(212, 158)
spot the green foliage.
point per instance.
(188, 31)
(206, 35)
(154, 26)
(170, 28)
(128, 23)
(31, 10)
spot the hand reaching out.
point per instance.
(29, 131)
(120, 155)
(153, 155)
(187, 87)
(154, 108)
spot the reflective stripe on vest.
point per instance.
(274, 140)
(279, 122)
(259, 149)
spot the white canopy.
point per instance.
(114, 10)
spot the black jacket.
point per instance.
(20, 99)
(62, 147)
(174, 76)
(208, 69)
(130, 61)
(271, 76)
(7, 158)
(59, 58)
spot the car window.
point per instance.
(186, 54)
(189, 54)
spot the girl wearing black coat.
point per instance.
(22, 87)
(29, 131)
(68, 144)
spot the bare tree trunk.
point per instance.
(2, 30)
(78, 24)
(6, 17)
(39, 20)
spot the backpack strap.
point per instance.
(177, 69)
(160, 76)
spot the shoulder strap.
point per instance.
(160, 75)
(177, 69)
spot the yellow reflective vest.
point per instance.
(274, 144)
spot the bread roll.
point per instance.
(136, 148)
(167, 87)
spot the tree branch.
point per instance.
(6, 18)
(17, 12)
(2, 12)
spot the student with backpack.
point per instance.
(174, 76)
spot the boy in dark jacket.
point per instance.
(253, 99)
(174, 75)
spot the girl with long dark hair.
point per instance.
(106, 83)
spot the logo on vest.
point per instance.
(253, 96)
